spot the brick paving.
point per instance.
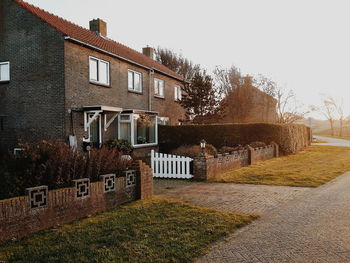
(240, 198)
(309, 225)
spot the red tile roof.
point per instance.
(86, 36)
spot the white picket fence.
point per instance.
(170, 166)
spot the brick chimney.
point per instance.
(148, 51)
(99, 27)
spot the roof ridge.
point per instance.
(70, 29)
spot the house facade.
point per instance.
(61, 81)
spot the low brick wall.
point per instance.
(42, 209)
(208, 166)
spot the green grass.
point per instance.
(337, 137)
(156, 230)
(311, 168)
(319, 141)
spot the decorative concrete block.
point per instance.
(108, 182)
(130, 178)
(38, 197)
(82, 187)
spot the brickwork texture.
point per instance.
(18, 220)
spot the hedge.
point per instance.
(291, 138)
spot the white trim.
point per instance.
(107, 124)
(132, 137)
(7, 76)
(98, 118)
(120, 57)
(98, 71)
(158, 80)
(133, 84)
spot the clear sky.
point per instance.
(302, 44)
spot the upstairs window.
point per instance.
(134, 81)
(159, 88)
(177, 93)
(99, 71)
(4, 71)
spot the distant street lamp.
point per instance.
(203, 143)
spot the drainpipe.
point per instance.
(150, 74)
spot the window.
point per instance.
(163, 120)
(177, 93)
(99, 71)
(138, 129)
(159, 88)
(4, 71)
(134, 81)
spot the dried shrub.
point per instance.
(123, 146)
(291, 138)
(193, 150)
(257, 144)
(54, 164)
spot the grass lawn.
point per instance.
(313, 167)
(319, 141)
(156, 230)
(337, 137)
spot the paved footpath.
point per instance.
(333, 141)
(309, 225)
(314, 227)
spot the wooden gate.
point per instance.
(170, 166)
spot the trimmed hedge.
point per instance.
(291, 138)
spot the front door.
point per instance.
(95, 131)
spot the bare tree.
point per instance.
(266, 84)
(177, 63)
(338, 107)
(288, 107)
(328, 110)
(227, 80)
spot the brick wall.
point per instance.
(17, 219)
(208, 166)
(80, 92)
(33, 100)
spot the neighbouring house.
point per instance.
(61, 81)
(247, 104)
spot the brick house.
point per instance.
(59, 80)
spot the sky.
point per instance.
(303, 45)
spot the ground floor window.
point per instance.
(138, 129)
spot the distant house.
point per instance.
(248, 104)
(60, 80)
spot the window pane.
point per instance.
(103, 72)
(125, 131)
(93, 69)
(137, 82)
(5, 72)
(156, 90)
(144, 129)
(161, 88)
(130, 80)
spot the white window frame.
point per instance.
(177, 93)
(7, 77)
(132, 137)
(98, 72)
(89, 117)
(133, 84)
(156, 81)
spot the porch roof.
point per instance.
(102, 108)
(146, 112)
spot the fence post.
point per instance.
(251, 155)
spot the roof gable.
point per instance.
(90, 38)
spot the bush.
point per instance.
(193, 150)
(257, 144)
(229, 149)
(54, 164)
(291, 138)
(123, 146)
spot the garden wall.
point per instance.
(208, 166)
(291, 138)
(42, 209)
